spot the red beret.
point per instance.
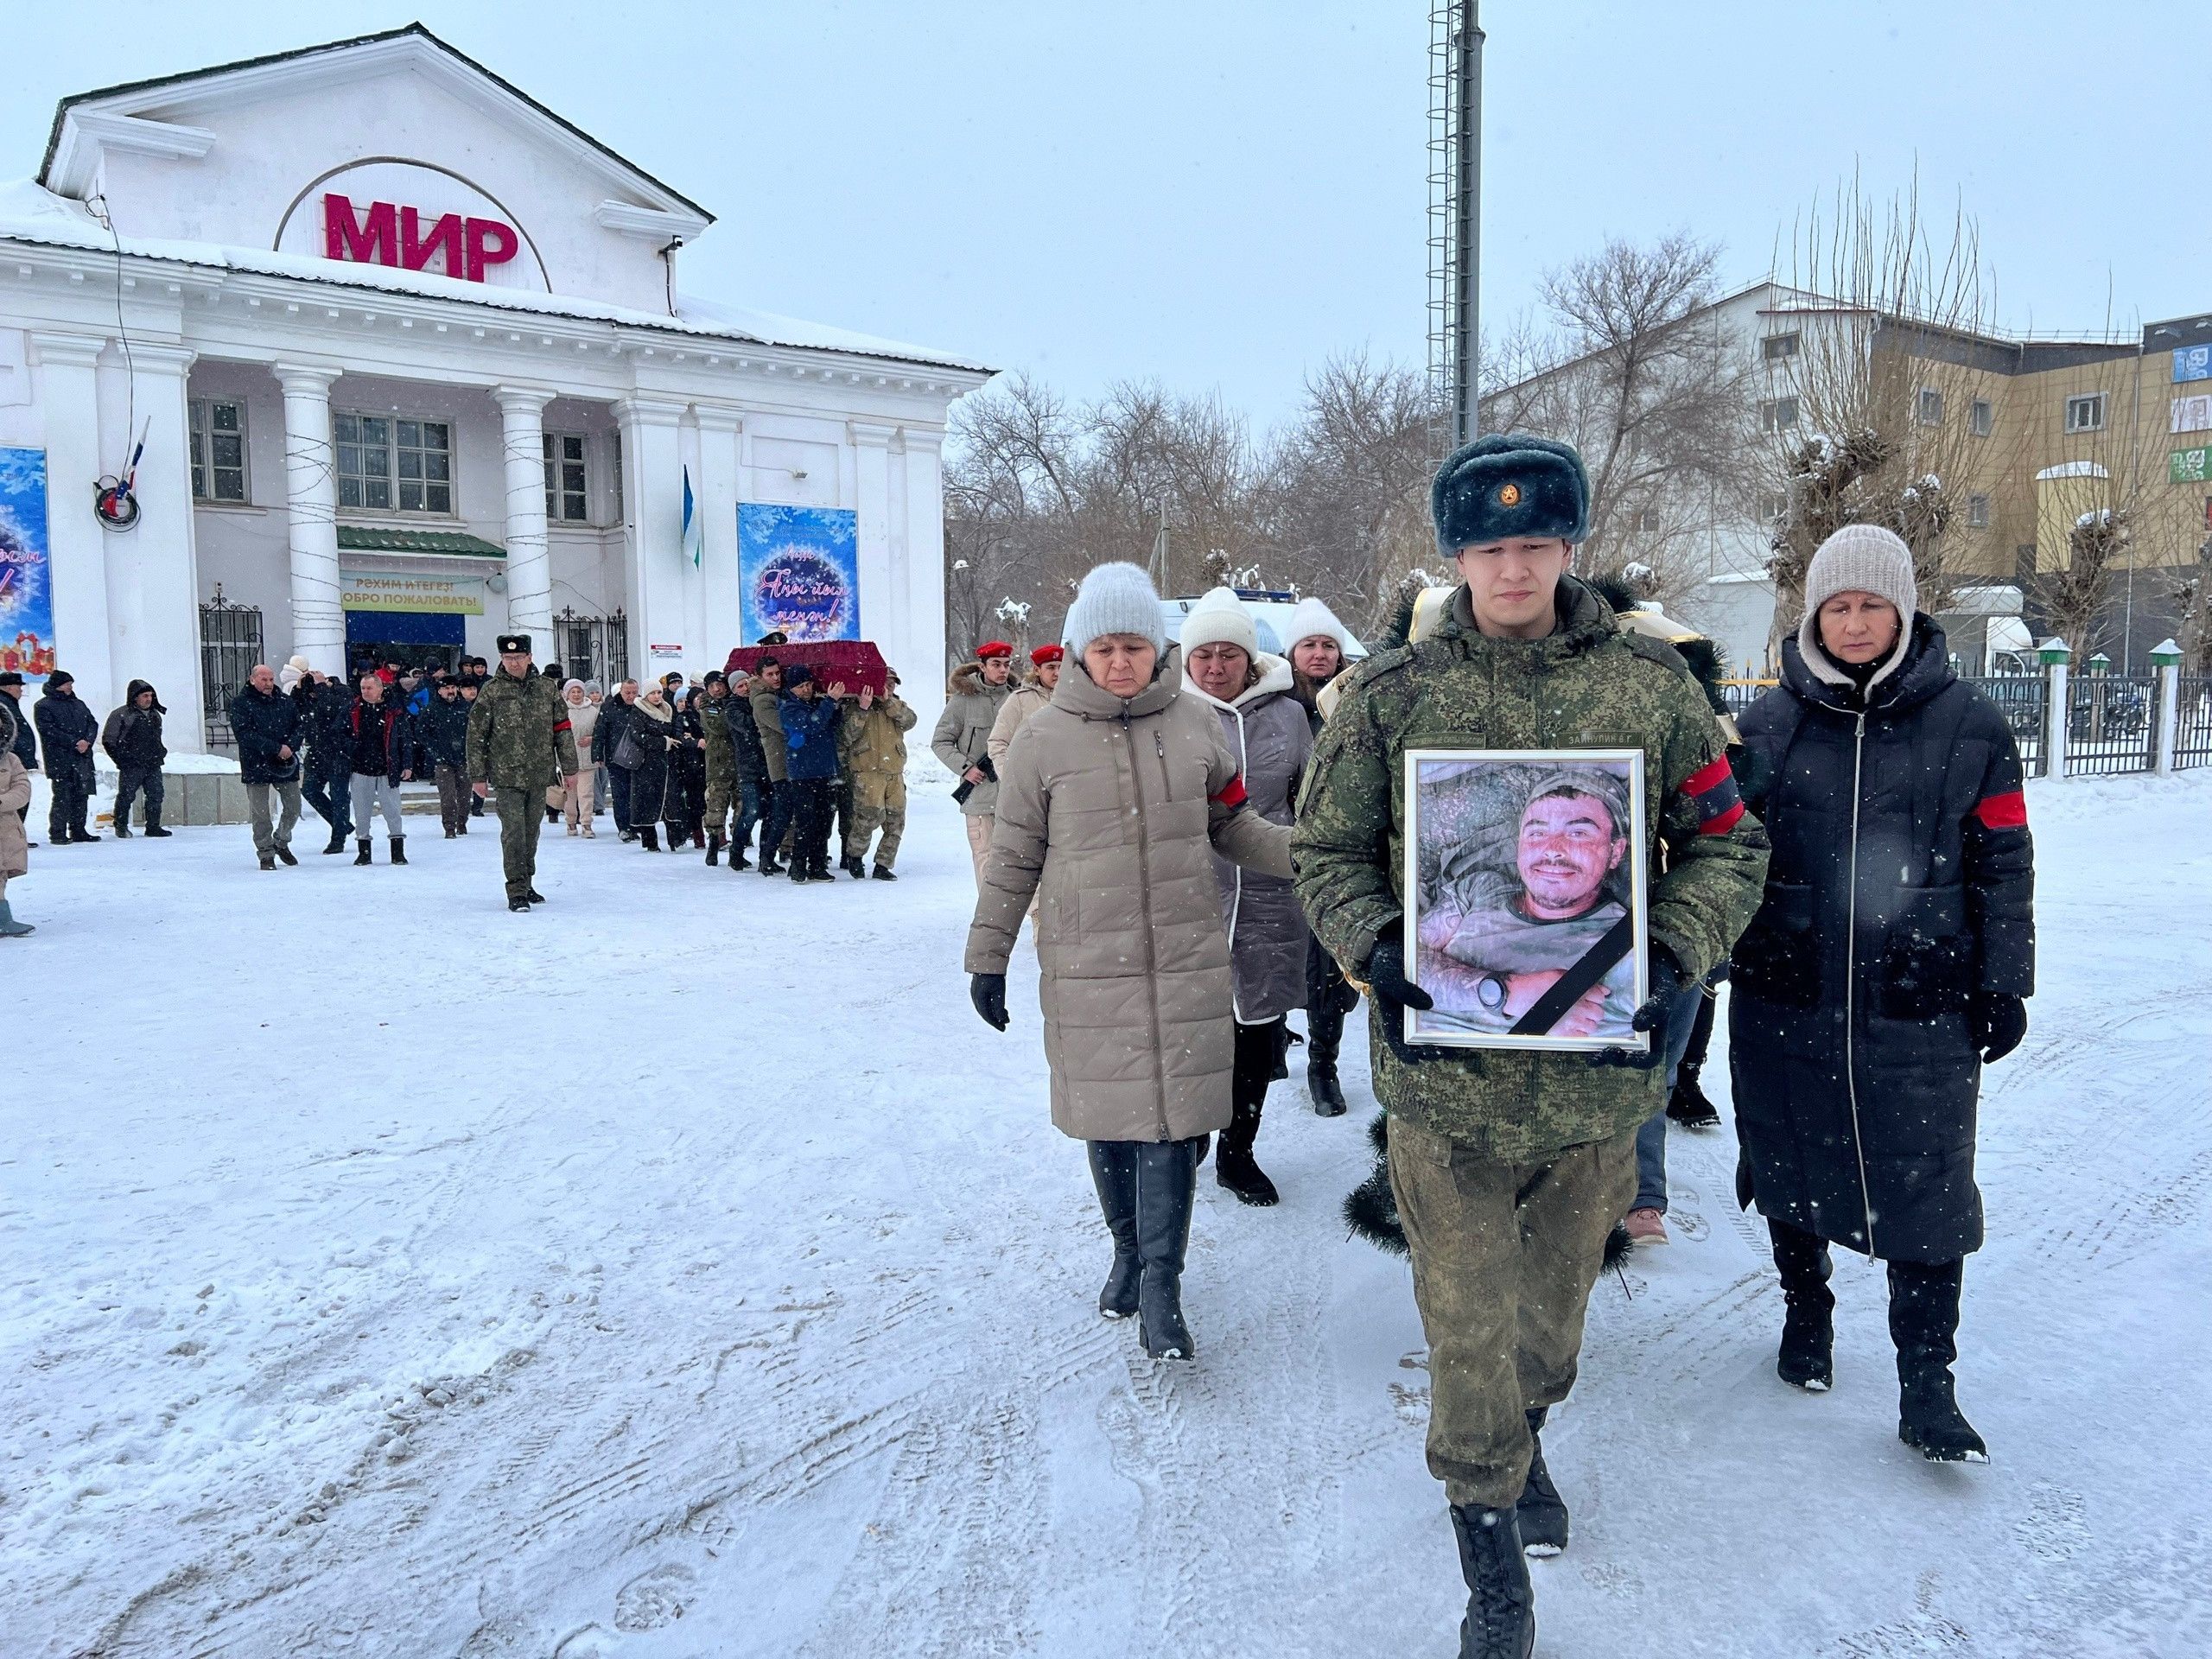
(992, 648)
(1044, 654)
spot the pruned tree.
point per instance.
(2073, 599)
(1869, 420)
(2193, 600)
(1628, 362)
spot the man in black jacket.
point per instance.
(266, 724)
(132, 738)
(26, 740)
(327, 776)
(67, 732)
(443, 730)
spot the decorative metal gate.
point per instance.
(230, 647)
(2110, 723)
(2193, 729)
(594, 647)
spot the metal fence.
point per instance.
(2193, 734)
(1740, 695)
(594, 647)
(2110, 723)
(230, 646)
(2019, 698)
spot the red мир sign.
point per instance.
(391, 235)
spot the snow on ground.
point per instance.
(752, 1293)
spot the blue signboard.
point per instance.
(2193, 363)
(26, 578)
(799, 571)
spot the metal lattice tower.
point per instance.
(1455, 112)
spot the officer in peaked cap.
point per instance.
(518, 741)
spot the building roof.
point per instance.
(132, 88)
(445, 544)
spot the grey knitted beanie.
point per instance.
(1858, 558)
(1117, 598)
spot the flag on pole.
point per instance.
(695, 528)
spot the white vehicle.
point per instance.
(1270, 612)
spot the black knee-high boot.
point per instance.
(1924, 1323)
(1808, 1356)
(1234, 1166)
(1166, 1179)
(1114, 1172)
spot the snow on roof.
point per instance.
(29, 212)
(2073, 470)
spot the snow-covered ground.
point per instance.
(752, 1293)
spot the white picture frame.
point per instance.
(1520, 870)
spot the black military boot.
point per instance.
(1924, 1322)
(649, 834)
(713, 849)
(1324, 1032)
(154, 827)
(1808, 1357)
(883, 873)
(1501, 1621)
(1235, 1167)
(337, 842)
(1114, 1172)
(359, 857)
(1685, 1103)
(399, 844)
(1167, 1181)
(1541, 1512)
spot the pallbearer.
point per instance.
(518, 738)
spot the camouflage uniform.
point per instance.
(871, 755)
(518, 734)
(1509, 1165)
(722, 762)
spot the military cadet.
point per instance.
(715, 710)
(1508, 1166)
(518, 736)
(872, 743)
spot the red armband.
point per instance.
(1712, 789)
(2005, 811)
(1232, 797)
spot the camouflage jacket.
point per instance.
(874, 738)
(714, 723)
(519, 732)
(1587, 685)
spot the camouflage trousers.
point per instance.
(522, 815)
(1503, 1257)
(722, 795)
(879, 803)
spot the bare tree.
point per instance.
(1871, 420)
(1629, 363)
(2193, 600)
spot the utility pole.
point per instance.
(1455, 181)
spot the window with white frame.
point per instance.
(567, 500)
(2086, 413)
(218, 445)
(1778, 413)
(1774, 347)
(1983, 417)
(1931, 406)
(1774, 506)
(1977, 512)
(392, 463)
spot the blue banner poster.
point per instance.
(26, 584)
(2193, 363)
(798, 569)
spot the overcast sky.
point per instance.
(1221, 194)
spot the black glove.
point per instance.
(1998, 1020)
(988, 993)
(1668, 983)
(1394, 994)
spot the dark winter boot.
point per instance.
(9, 927)
(1234, 1165)
(1114, 1172)
(1501, 1621)
(1688, 1106)
(883, 873)
(768, 865)
(451, 832)
(1923, 1320)
(122, 831)
(854, 866)
(1808, 1357)
(337, 842)
(1541, 1512)
(1167, 1181)
(552, 815)
(737, 861)
(399, 844)
(359, 857)
(713, 849)
(154, 827)
(649, 835)
(284, 855)
(1321, 1083)
(269, 859)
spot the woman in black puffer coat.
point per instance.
(651, 727)
(1886, 966)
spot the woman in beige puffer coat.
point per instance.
(14, 795)
(1112, 802)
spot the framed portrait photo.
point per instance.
(1524, 886)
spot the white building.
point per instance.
(412, 368)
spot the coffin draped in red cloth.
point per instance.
(856, 662)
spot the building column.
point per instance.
(311, 506)
(68, 401)
(153, 585)
(924, 560)
(530, 562)
(652, 500)
(718, 454)
(879, 613)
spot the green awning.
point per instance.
(445, 544)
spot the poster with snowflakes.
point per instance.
(26, 584)
(798, 572)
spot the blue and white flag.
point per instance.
(695, 528)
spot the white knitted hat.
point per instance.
(1220, 618)
(1864, 559)
(1312, 619)
(1117, 598)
